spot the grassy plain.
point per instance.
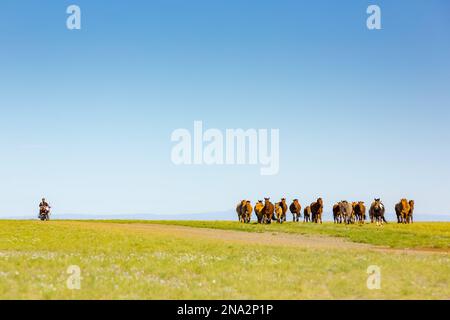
(137, 260)
(417, 235)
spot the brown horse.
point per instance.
(317, 210)
(307, 214)
(259, 206)
(402, 211)
(268, 211)
(239, 207)
(360, 211)
(279, 212)
(284, 208)
(244, 210)
(337, 214)
(246, 213)
(411, 211)
(296, 210)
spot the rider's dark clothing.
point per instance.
(44, 204)
(44, 207)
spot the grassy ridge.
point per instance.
(123, 262)
(417, 235)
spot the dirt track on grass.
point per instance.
(255, 238)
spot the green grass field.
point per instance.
(417, 235)
(127, 260)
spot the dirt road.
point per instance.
(264, 238)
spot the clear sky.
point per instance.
(87, 115)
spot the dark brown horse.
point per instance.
(337, 213)
(317, 210)
(360, 211)
(239, 207)
(296, 210)
(268, 211)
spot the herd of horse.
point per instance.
(343, 211)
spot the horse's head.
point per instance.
(320, 201)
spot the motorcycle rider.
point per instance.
(44, 208)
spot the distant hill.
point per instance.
(224, 215)
(221, 215)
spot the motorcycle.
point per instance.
(44, 213)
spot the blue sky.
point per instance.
(86, 115)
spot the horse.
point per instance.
(268, 211)
(239, 207)
(411, 211)
(336, 214)
(259, 206)
(279, 212)
(359, 210)
(246, 213)
(402, 211)
(296, 210)
(317, 210)
(376, 212)
(307, 214)
(284, 208)
(346, 211)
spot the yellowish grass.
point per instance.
(123, 262)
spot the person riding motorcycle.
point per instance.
(44, 210)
